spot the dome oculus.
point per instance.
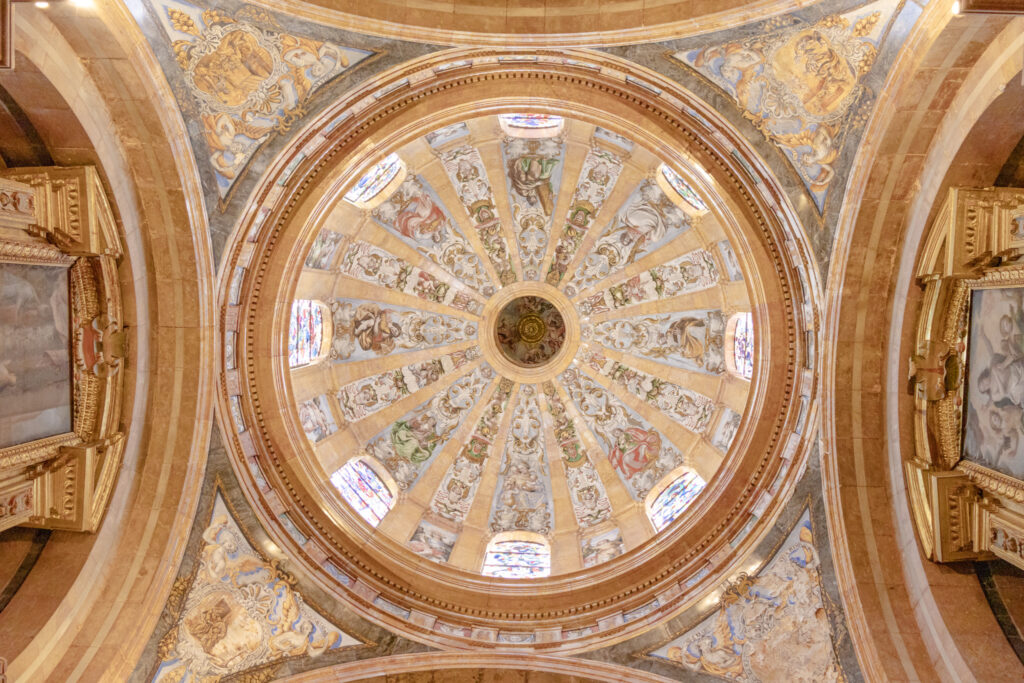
(530, 331)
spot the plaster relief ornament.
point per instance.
(533, 173)
(694, 340)
(597, 179)
(238, 613)
(247, 81)
(691, 272)
(601, 548)
(647, 221)
(523, 499)
(687, 407)
(640, 454)
(406, 445)
(321, 254)
(800, 83)
(465, 169)
(365, 329)
(432, 542)
(316, 418)
(455, 495)
(366, 396)
(415, 215)
(589, 501)
(368, 263)
(769, 627)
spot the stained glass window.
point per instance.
(531, 120)
(683, 188)
(305, 332)
(671, 502)
(361, 488)
(376, 179)
(517, 559)
(743, 345)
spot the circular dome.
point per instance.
(456, 370)
(411, 460)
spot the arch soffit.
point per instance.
(986, 80)
(122, 544)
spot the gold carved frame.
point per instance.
(61, 217)
(962, 510)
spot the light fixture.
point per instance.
(42, 5)
(956, 8)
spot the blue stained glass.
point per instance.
(517, 560)
(743, 346)
(362, 489)
(375, 180)
(531, 120)
(671, 502)
(683, 188)
(305, 332)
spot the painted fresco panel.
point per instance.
(35, 358)
(994, 411)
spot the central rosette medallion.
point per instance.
(529, 331)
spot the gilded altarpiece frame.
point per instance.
(59, 217)
(963, 510)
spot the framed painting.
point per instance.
(35, 353)
(993, 427)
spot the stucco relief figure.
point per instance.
(247, 82)
(691, 272)
(459, 486)
(239, 613)
(363, 329)
(324, 247)
(432, 542)
(645, 223)
(531, 164)
(800, 84)
(640, 455)
(420, 434)
(369, 263)
(601, 548)
(693, 340)
(994, 411)
(415, 215)
(465, 169)
(772, 627)
(35, 353)
(598, 176)
(316, 418)
(633, 449)
(523, 501)
(533, 170)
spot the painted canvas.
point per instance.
(994, 409)
(35, 356)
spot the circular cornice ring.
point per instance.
(377, 577)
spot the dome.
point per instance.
(516, 356)
(520, 328)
